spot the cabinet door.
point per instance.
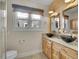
(70, 52)
(55, 50)
(55, 55)
(44, 45)
(64, 55)
(49, 49)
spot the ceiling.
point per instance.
(56, 5)
(43, 2)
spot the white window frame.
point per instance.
(29, 20)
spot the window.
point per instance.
(27, 18)
(35, 21)
(35, 24)
(22, 15)
(22, 19)
(22, 23)
(35, 17)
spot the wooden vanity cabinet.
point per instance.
(61, 52)
(54, 50)
(46, 46)
(70, 53)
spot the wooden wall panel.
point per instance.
(60, 5)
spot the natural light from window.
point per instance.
(22, 15)
(35, 17)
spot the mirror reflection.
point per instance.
(71, 19)
(55, 23)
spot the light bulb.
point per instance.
(50, 12)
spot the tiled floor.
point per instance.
(36, 56)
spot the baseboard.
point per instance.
(29, 53)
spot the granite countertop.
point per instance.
(73, 45)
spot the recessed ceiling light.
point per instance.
(50, 12)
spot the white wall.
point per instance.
(26, 43)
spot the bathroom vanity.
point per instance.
(56, 48)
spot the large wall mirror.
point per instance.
(55, 23)
(71, 19)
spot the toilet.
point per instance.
(11, 54)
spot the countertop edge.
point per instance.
(61, 42)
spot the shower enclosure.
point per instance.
(2, 28)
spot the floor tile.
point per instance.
(36, 56)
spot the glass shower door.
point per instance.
(2, 28)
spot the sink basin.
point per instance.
(49, 34)
(67, 38)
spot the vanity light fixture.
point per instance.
(50, 12)
(54, 14)
(69, 1)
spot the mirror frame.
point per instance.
(69, 8)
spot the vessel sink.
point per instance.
(49, 34)
(67, 38)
